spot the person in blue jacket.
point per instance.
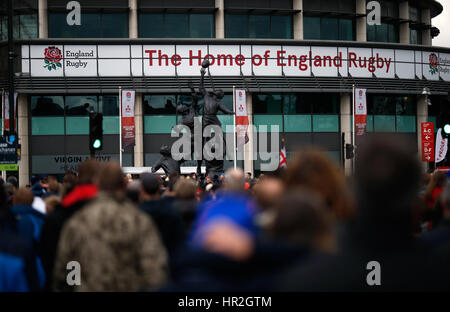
(17, 260)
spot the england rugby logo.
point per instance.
(53, 57)
(434, 64)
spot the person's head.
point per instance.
(301, 219)
(173, 179)
(313, 171)
(51, 202)
(268, 192)
(387, 181)
(112, 179)
(219, 94)
(133, 191)
(69, 182)
(150, 187)
(88, 172)
(234, 180)
(9, 189)
(445, 202)
(53, 184)
(37, 190)
(248, 175)
(14, 182)
(23, 196)
(185, 189)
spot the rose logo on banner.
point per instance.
(434, 64)
(53, 57)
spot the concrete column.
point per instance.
(139, 124)
(361, 22)
(23, 132)
(43, 19)
(248, 148)
(404, 27)
(133, 19)
(298, 19)
(422, 116)
(220, 19)
(346, 126)
(426, 34)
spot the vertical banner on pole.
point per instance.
(241, 117)
(428, 141)
(128, 127)
(6, 120)
(360, 112)
(441, 147)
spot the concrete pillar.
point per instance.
(346, 126)
(361, 22)
(426, 34)
(43, 19)
(403, 9)
(133, 19)
(139, 124)
(23, 132)
(298, 19)
(220, 19)
(422, 116)
(248, 148)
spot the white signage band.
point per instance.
(232, 60)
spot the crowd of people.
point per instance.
(306, 227)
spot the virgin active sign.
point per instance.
(232, 60)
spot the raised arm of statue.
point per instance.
(202, 82)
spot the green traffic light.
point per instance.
(97, 144)
(447, 128)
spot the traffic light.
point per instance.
(349, 151)
(95, 131)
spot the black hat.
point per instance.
(151, 183)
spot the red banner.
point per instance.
(6, 111)
(428, 141)
(128, 127)
(360, 112)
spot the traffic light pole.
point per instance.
(12, 120)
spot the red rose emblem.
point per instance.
(434, 63)
(53, 57)
(53, 54)
(434, 60)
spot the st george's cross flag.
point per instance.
(283, 157)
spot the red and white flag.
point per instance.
(283, 157)
(441, 146)
(241, 117)
(5, 103)
(128, 127)
(360, 112)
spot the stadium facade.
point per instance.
(298, 60)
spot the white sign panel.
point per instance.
(150, 60)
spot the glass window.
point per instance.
(382, 33)
(329, 29)
(114, 25)
(47, 126)
(297, 123)
(236, 26)
(311, 27)
(176, 26)
(47, 106)
(267, 103)
(201, 26)
(80, 105)
(259, 26)
(325, 123)
(93, 25)
(25, 26)
(346, 29)
(384, 123)
(151, 25)
(281, 27)
(77, 125)
(158, 124)
(268, 121)
(160, 104)
(109, 105)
